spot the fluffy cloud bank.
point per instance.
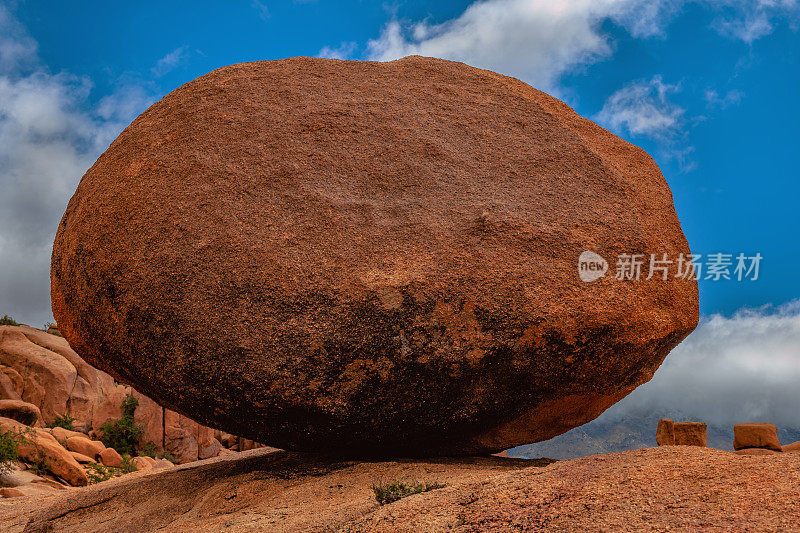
(536, 40)
(539, 41)
(730, 369)
(47, 141)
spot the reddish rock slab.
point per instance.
(665, 432)
(793, 447)
(756, 435)
(370, 258)
(690, 433)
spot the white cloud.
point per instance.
(16, 48)
(535, 40)
(749, 20)
(715, 101)
(261, 8)
(539, 41)
(643, 108)
(343, 51)
(731, 369)
(49, 136)
(170, 61)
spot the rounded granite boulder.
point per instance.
(371, 258)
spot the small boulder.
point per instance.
(9, 492)
(62, 434)
(665, 433)
(82, 445)
(144, 463)
(793, 447)
(110, 457)
(23, 412)
(83, 459)
(209, 449)
(756, 435)
(690, 433)
(163, 463)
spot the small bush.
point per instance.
(9, 443)
(47, 327)
(8, 321)
(39, 466)
(98, 473)
(395, 490)
(127, 464)
(123, 435)
(63, 421)
(149, 449)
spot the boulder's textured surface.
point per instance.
(364, 257)
(690, 433)
(756, 435)
(665, 435)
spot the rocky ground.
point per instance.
(681, 488)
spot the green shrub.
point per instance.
(47, 327)
(394, 490)
(8, 321)
(63, 421)
(123, 435)
(9, 442)
(98, 473)
(127, 464)
(39, 466)
(149, 449)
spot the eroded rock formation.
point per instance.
(47, 376)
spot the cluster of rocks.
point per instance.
(755, 438)
(42, 380)
(66, 456)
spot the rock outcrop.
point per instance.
(371, 258)
(665, 432)
(47, 379)
(690, 433)
(756, 435)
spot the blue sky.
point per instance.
(709, 89)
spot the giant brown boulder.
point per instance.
(363, 257)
